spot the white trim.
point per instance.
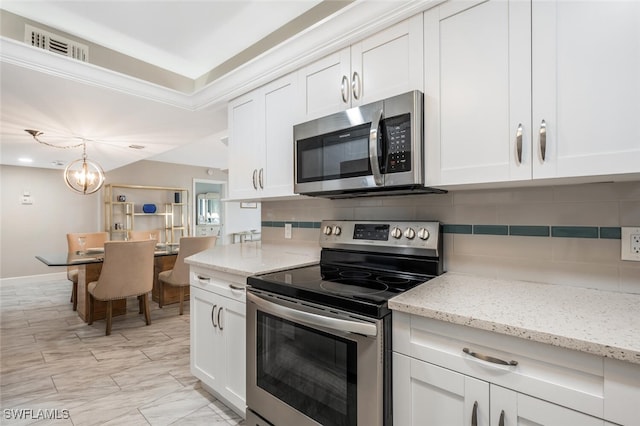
(55, 276)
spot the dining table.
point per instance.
(89, 263)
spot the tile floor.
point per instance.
(55, 365)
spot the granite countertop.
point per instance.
(598, 322)
(257, 257)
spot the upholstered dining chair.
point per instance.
(179, 275)
(153, 234)
(127, 271)
(91, 240)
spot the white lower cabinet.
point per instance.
(437, 382)
(218, 336)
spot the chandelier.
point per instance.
(81, 175)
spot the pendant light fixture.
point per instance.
(82, 176)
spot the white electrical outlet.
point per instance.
(630, 245)
(287, 231)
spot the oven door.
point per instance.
(307, 365)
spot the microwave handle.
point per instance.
(374, 156)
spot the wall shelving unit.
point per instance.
(171, 216)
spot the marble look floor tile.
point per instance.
(51, 359)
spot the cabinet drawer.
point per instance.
(566, 377)
(222, 283)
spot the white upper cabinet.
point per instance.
(388, 63)
(518, 90)
(261, 141)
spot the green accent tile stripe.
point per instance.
(529, 230)
(457, 229)
(574, 231)
(604, 232)
(491, 229)
(610, 233)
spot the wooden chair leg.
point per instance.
(90, 309)
(147, 314)
(160, 293)
(74, 296)
(141, 299)
(181, 298)
(109, 315)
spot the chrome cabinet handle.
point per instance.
(355, 83)
(255, 183)
(501, 421)
(213, 321)
(489, 358)
(474, 414)
(543, 140)
(219, 321)
(260, 180)
(519, 143)
(373, 148)
(344, 90)
(236, 287)
(201, 278)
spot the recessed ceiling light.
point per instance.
(136, 146)
(25, 160)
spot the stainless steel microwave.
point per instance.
(374, 149)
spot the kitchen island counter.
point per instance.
(259, 257)
(594, 321)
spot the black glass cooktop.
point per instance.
(360, 290)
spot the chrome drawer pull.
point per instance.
(201, 278)
(236, 287)
(501, 421)
(474, 414)
(489, 358)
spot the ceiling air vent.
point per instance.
(54, 43)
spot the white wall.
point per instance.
(41, 228)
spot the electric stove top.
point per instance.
(363, 264)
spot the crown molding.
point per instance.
(350, 24)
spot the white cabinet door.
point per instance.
(245, 145)
(425, 394)
(325, 85)
(232, 326)
(281, 109)
(206, 357)
(478, 92)
(386, 64)
(261, 140)
(509, 408)
(586, 86)
(520, 90)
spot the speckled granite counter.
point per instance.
(257, 257)
(598, 322)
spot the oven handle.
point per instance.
(309, 318)
(374, 157)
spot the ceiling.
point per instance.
(186, 38)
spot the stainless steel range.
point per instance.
(319, 337)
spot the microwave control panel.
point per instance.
(398, 143)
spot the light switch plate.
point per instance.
(630, 243)
(287, 231)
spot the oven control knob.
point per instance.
(396, 232)
(423, 234)
(327, 230)
(337, 230)
(410, 233)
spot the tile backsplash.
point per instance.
(568, 235)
